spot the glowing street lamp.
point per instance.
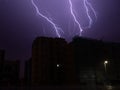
(105, 64)
(58, 65)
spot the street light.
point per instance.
(105, 64)
(58, 65)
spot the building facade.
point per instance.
(11, 72)
(52, 62)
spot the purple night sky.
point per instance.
(19, 23)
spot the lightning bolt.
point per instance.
(93, 10)
(48, 19)
(75, 19)
(88, 7)
(86, 4)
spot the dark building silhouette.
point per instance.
(56, 62)
(11, 72)
(90, 55)
(27, 72)
(2, 59)
(52, 62)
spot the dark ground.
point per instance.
(62, 88)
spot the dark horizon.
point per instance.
(82, 62)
